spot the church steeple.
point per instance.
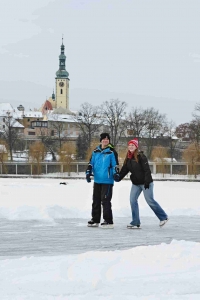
(53, 95)
(62, 73)
(62, 82)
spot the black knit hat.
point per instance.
(104, 135)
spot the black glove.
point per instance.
(116, 177)
(146, 185)
(88, 174)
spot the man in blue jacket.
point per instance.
(102, 165)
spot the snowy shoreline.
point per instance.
(73, 176)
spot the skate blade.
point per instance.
(111, 226)
(95, 226)
(129, 227)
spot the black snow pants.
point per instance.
(102, 195)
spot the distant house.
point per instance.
(63, 122)
(32, 121)
(7, 111)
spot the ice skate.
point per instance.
(133, 226)
(107, 225)
(162, 223)
(92, 224)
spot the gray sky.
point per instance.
(144, 52)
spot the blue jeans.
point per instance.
(148, 194)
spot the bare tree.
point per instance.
(114, 113)
(196, 113)
(155, 125)
(183, 131)
(195, 131)
(37, 153)
(137, 121)
(49, 142)
(192, 156)
(159, 154)
(67, 154)
(3, 155)
(10, 132)
(88, 121)
(170, 130)
(195, 126)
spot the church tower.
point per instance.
(62, 82)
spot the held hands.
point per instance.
(116, 177)
(146, 185)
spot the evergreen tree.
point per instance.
(81, 146)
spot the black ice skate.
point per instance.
(92, 224)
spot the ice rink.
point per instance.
(70, 236)
(48, 252)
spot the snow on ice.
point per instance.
(164, 271)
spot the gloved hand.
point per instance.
(146, 185)
(116, 177)
(88, 174)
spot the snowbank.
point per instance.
(167, 271)
(47, 199)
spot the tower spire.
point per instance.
(53, 95)
(62, 82)
(62, 73)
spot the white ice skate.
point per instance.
(162, 223)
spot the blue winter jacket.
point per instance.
(103, 164)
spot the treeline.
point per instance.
(148, 124)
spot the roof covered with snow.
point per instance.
(61, 118)
(33, 114)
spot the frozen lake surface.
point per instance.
(47, 252)
(70, 236)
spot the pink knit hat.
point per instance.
(134, 142)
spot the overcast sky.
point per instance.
(144, 52)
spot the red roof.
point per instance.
(47, 106)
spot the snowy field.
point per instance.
(47, 252)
